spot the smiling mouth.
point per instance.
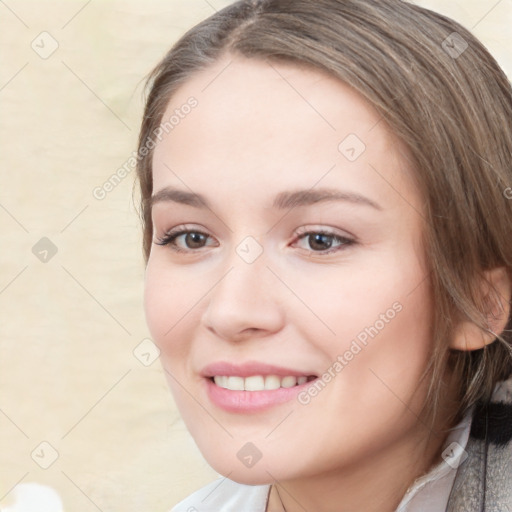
(259, 382)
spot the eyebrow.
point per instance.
(283, 200)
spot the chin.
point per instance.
(230, 466)
(250, 476)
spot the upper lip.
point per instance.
(250, 368)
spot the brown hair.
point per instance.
(450, 104)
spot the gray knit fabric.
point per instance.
(484, 481)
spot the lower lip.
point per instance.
(251, 401)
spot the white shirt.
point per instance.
(428, 493)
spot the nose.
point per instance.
(246, 303)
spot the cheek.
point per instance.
(382, 329)
(385, 339)
(357, 303)
(168, 307)
(155, 305)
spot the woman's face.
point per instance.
(303, 262)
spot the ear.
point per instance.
(496, 290)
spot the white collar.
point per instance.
(430, 492)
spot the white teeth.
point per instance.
(272, 382)
(255, 383)
(221, 381)
(235, 383)
(288, 382)
(258, 382)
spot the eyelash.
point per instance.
(170, 237)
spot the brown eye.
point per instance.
(190, 240)
(323, 242)
(194, 240)
(320, 241)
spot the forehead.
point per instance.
(271, 123)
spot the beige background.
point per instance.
(69, 326)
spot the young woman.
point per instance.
(326, 204)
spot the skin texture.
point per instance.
(260, 129)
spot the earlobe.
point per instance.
(496, 289)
